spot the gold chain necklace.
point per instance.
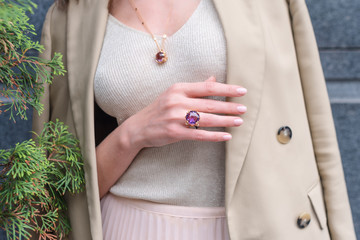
(160, 57)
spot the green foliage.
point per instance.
(35, 176)
(21, 74)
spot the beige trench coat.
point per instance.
(271, 50)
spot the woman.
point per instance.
(283, 173)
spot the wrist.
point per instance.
(129, 136)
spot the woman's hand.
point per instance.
(163, 121)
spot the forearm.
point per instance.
(113, 156)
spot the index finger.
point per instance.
(205, 89)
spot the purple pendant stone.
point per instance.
(161, 57)
(192, 117)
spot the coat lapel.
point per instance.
(86, 25)
(85, 32)
(245, 66)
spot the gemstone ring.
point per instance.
(192, 119)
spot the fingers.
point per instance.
(203, 135)
(163, 122)
(213, 120)
(209, 120)
(214, 106)
(209, 88)
(211, 79)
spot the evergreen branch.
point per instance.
(35, 175)
(22, 75)
(33, 185)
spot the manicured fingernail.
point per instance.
(242, 109)
(227, 137)
(238, 121)
(241, 90)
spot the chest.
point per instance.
(128, 78)
(156, 16)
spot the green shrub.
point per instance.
(35, 174)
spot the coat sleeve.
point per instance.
(38, 120)
(321, 125)
(57, 106)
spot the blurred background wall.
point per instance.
(337, 29)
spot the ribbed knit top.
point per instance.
(186, 173)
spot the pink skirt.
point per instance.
(129, 219)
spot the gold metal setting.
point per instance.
(161, 48)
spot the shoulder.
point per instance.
(55, 20)
(61, 12)
(54, 30)
(281, 6)
(56, 14)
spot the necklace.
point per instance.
(161, 56)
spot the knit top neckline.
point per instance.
(190, 19)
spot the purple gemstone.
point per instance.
(192, 117)
(161, 57)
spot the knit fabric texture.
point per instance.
(186, 173)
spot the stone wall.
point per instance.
(337, 28)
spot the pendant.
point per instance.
(161, 57)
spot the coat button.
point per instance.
(303, 220)
(284, 134)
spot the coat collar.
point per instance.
(245, 66)
(86, 26)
